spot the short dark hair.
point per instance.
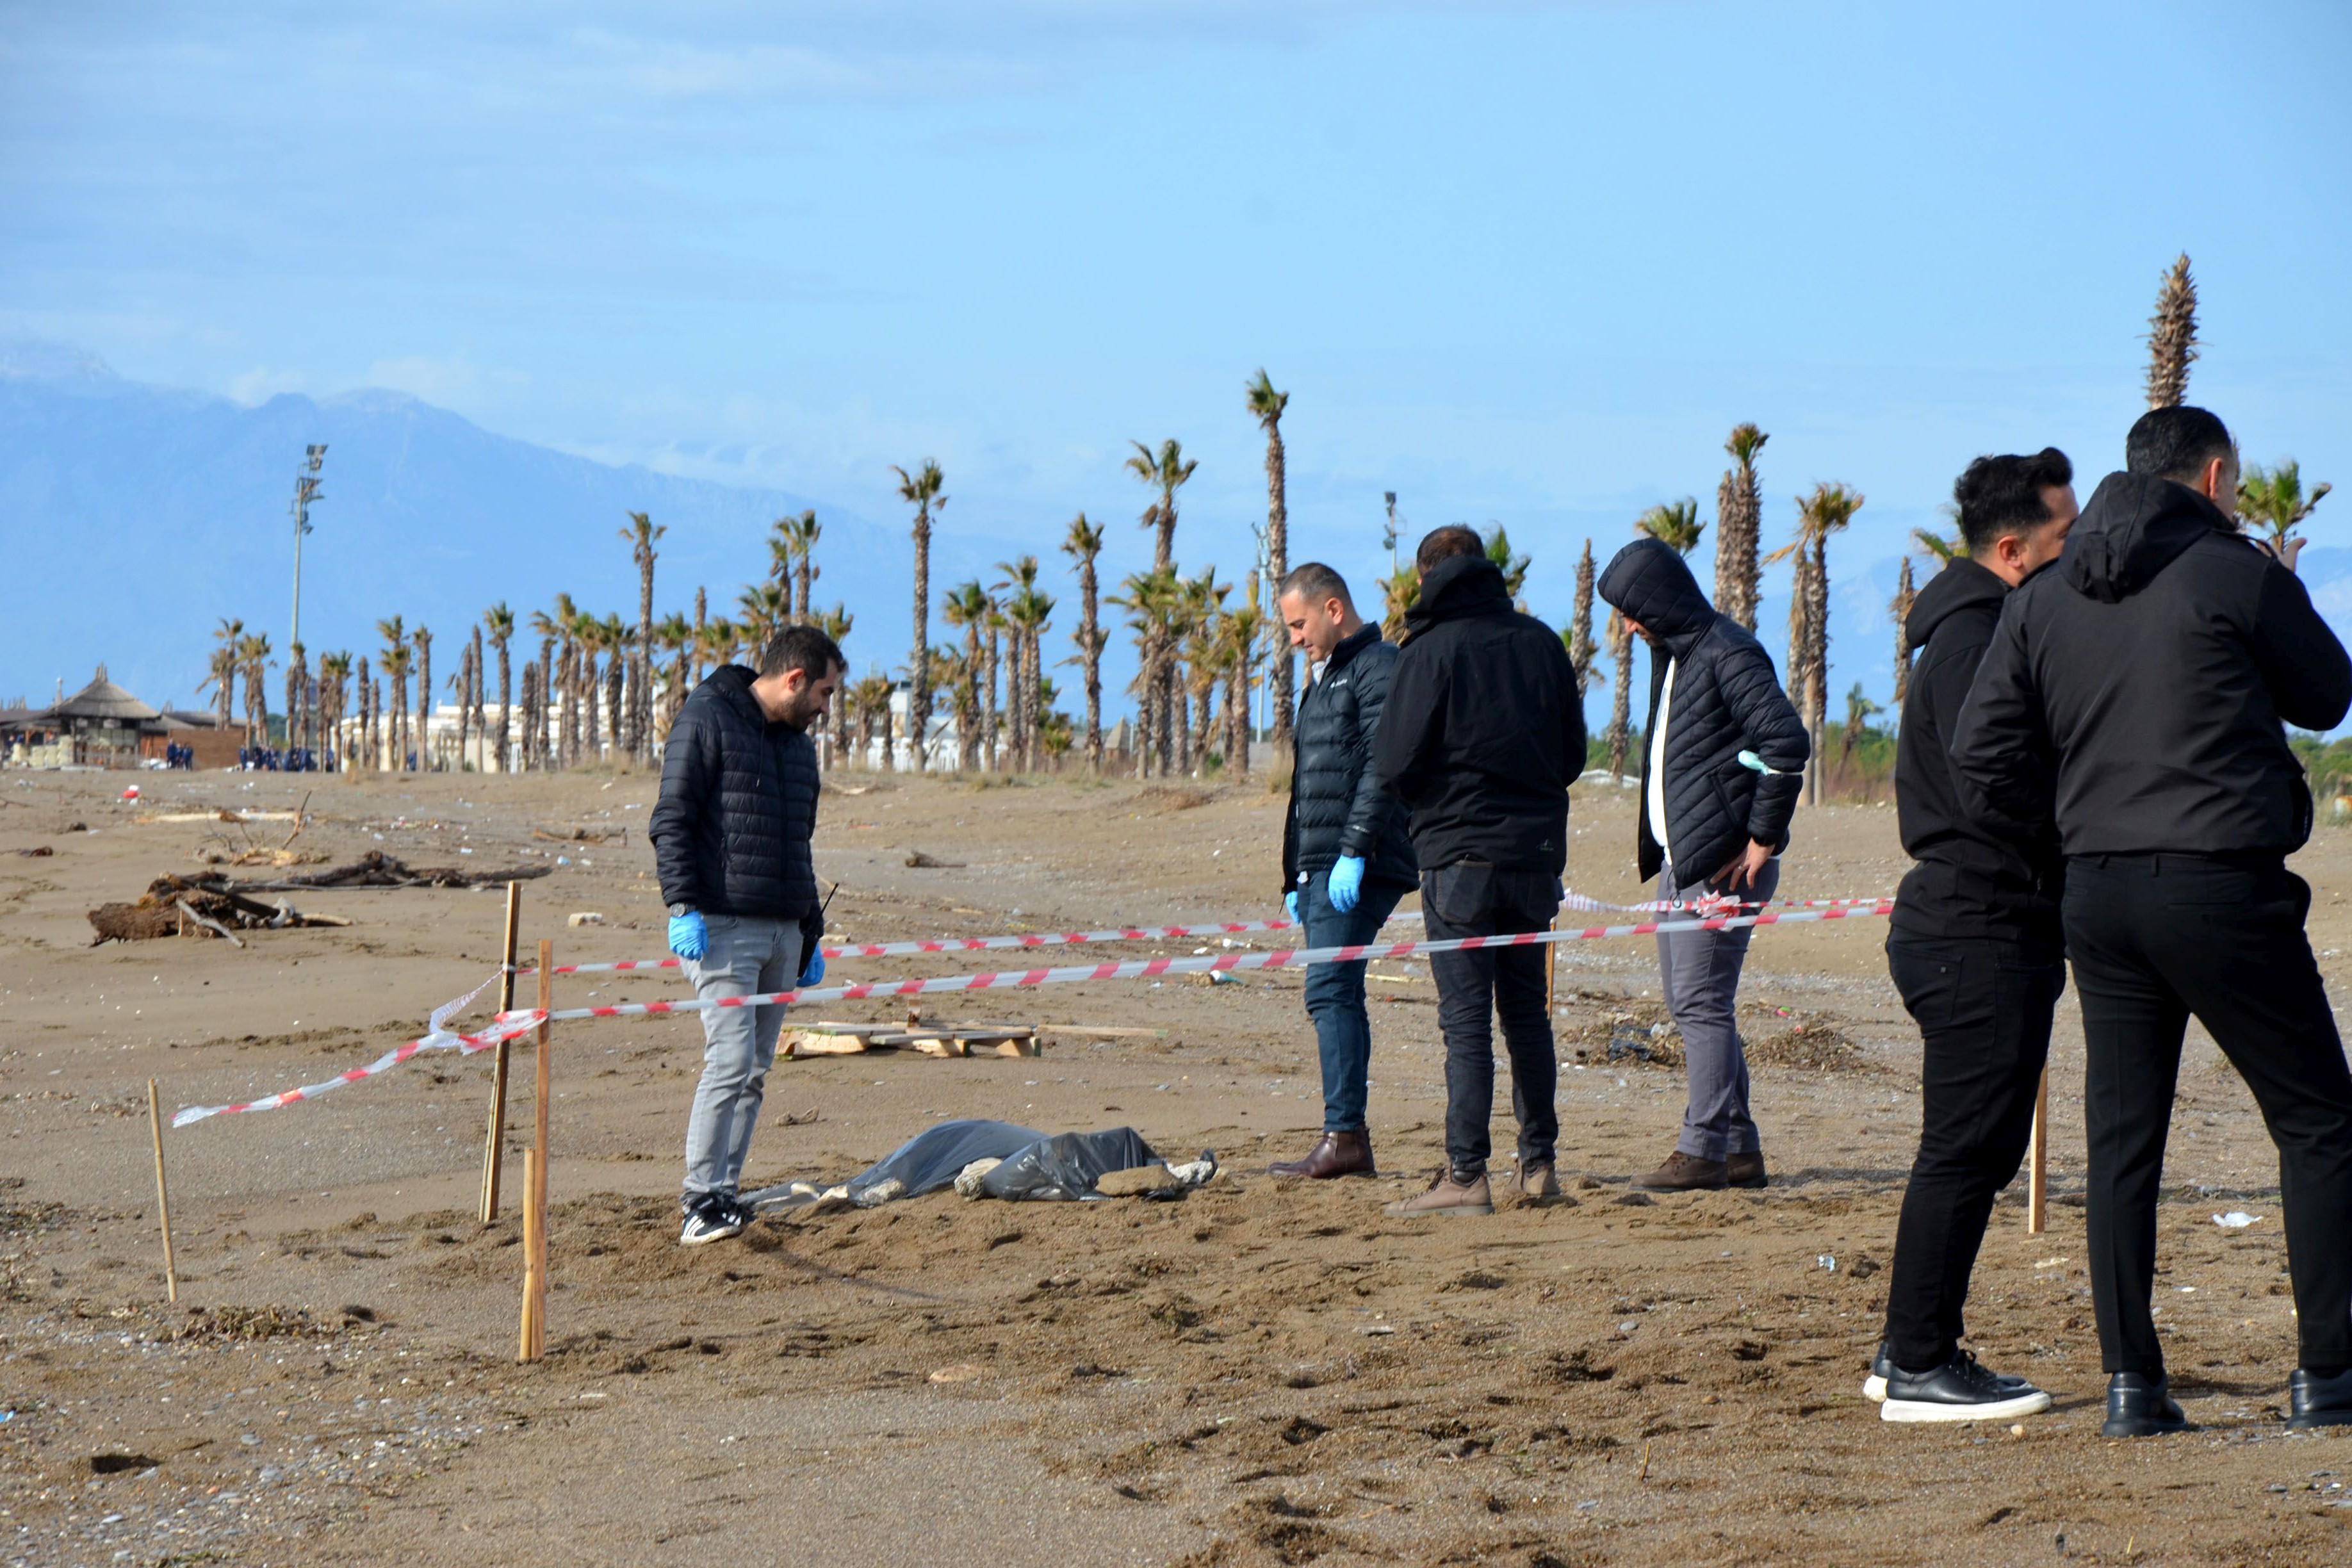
(2176, 443)
(1315, 583)
(1444, 543)
(2001, 495)
(803, 648)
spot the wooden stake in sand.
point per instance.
(494, 1146)
(2037, 1188)
(162, 1196)
(534, 1216)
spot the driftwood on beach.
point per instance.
(216, 904)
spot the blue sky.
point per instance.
(1523, 263)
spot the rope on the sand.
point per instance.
(507, 1025)
(436, 1038)
(1148, 968)
(1577, 901)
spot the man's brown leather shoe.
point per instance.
(1447, 1195)
(1537, 1184)
(1334, 1154)
(1746, 1170)
(1684, 1173)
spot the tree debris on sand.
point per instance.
(184, 906)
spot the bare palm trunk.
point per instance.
(1621, 713)
(918, 685)
(1903, 595)
(988, 718)
(1817, 665)
(641, 737)
(1278, 547)
(614, 710)
(424, 698)
(890, 739)
(1579, 639)
(1090, 647)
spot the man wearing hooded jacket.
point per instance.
(2160, 662)
(1710, 826)
(1976, 952)
(1482, 735)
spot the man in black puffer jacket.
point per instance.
(2160, 660)
(1483, 735)
(1345, 857)
(1709, 826)
(1975, 951)
(730, 836)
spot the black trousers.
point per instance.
(1470, 898)
(1983, 1009)
(2154, 939)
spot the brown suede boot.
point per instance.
(1746, 1170)
(1334, 1154)
(1535, 1184)
(1684, 1173)
(1446, 1196)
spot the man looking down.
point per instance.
(2160, 661)
(730, 836)
(1345, 857)
(1976, 952)
(1483, 733)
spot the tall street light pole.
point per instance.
(306, 490)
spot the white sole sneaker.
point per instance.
(2030, 1402)
(1873, 1388)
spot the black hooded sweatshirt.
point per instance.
(2159, 660)
(1727, 699)
(1483, 729)
(1969, 883)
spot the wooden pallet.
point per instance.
(930, 1040)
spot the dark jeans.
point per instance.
(1335, 995)
(1473, 986)
(2156, 938)
(1983, 1009)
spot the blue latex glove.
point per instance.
(1347, 882)
(688, 937)
(1290, 902)
(814, 974)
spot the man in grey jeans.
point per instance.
(730, 836)
(1711, 826)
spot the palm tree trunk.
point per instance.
(1277, 549)
(1090, 650)
(918, 670)
(641, 739)
(424, 698)
(1903, 597)
(988, 718)
(889, 737)
(1817, 665)
(1621, 711)
(1580, 639)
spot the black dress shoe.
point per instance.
(1959, 1389)
(2317, 1399)
(2140, 1407)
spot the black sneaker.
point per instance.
(2138, 1407)
(709, 1217)
(1959, 1389)
(746, 1215)
(1882, 1367)
(2319, 1399)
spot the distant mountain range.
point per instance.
(136, 516)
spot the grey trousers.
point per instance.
(744, 956)
(1699, 971)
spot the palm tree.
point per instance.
(1739, 524)
(615, 637)
(1580, 624)
(298, 681)
(836, 624)
(921, 491)
(1900, 606)
(766, 610)
(367, 738)
(221, 669)
(1268, 405)
(991, 714)
(462, 685)
(801, 532)
(1165, 471)
(395, 672)
(870, 700)
(1818, 515)
(1621, 711)
(1513, 567)
(2172, 336)
(334, 681)
(1238, 655)
(253, 659)
(1400, 592)
(1031, 611)
(2273, 498)
(1084, 544)
(780, 558)
(701, 624)
(531, 753)
(1020, 579)
(1859, 712)
(587, 645)
(1674, 524)
(965, 607)
(553, 630)
(1204, 599)
(640, 535)
(1943, 551)
(1151, 604)
(673, 634)
(423, 639)
(501, 623)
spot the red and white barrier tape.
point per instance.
(436, 1038)
(1576, 901)
(507, 1025)
(1145, 968)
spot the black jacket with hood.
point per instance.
(1727, 699)
(1969, 883)
(2159, 660)
(1336, 806)
(730, 831)
(1483, 729)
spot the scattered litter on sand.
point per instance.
(182, 906)
(921, 861)
(984, 1159)
(2236, 1220)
